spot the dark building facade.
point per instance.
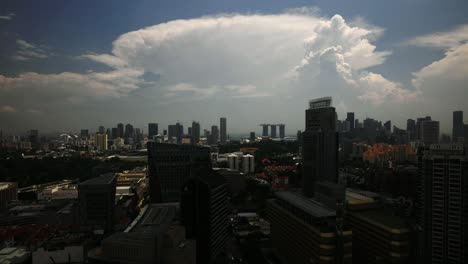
(97, 198)
(252, 136)
(458, 126)
(273, 131)
(350, 119)
(223, 132)
(152, 130)
(444, 200)
(319, 146)
(411, 129)
(281, 130)
(204, 214)
(196, 131)
(120, 130)
(430, 132)
(305, 231)
(170, 165)
(214, 135)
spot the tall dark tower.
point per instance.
(152, 130)
(281, 130)
(204, 213)
(222, 135)
(170, 165)
(120, 130)
(444, 214)
(458, 126)
(319, 148)
(196, 131)
(350, 119)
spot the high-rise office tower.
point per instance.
(138, 136)
(444, 218)
(319, 145)
(252, 136)
(115, 133)
(458, 126)
(170, 165)
(84, 134)
(172, 132)
(411, 129)
(179, 132)
(388, 126)
(102, 129)
(129, 131)
(120, 130)
(419, 129)
(281, 130)
(429, 132)
(108, 132)
(214, 135)
(152, 130)
(189, 131)
(357, 124)
(100, 141)
(273, 131)
(196, 131)
(97, 198)
(204, 214)
(222, 134)
(350, 119)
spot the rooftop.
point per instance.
(308, 205)
(385, 220)
(101, 180)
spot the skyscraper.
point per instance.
(411, 129)
(120, 130)
(100, 141)
(214, 135)
(115, 133)
(170, 165)
(429, 132)
(179, 132)
(152, 130)
(196, 131)
(102, 129)
(252, 136)
(97, 199)
(84, 134)
(458, 126)
(350, 119)
(388, 126)
(319, 145)
(204, 214)
(222, 135)
(444, 219)
(129, 131)
(419, 129)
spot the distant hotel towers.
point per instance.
(273, 130)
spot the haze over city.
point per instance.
(71, 65)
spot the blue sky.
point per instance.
(62, 67)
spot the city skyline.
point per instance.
(157, 63)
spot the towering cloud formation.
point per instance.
(260, 59)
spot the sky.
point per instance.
(70, 65)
